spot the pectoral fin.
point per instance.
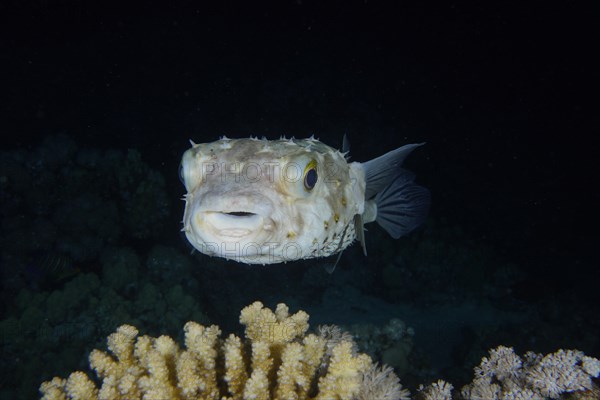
(331, 267)
(359, 229)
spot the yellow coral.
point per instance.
(274, 328)
(235, 369)
(344, 374)
(278, 362)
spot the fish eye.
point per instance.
(310, 179)
(310, 175)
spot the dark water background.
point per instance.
(502, 95)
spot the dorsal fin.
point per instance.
(345, 144)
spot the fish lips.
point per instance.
(231, 218)
(233, 224)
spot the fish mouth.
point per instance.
(233, 224)
(236, 225)
(240, 213)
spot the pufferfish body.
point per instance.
(261, 201)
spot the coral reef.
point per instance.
(278, 360)
(49, 331)
(60, 200)
(505, 375)
(391, 343)
(565, 374)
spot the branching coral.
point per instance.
(504, 375)
(278, 361)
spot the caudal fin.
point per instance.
(403, 205)
(381, 171)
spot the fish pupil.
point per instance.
(310, 179)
